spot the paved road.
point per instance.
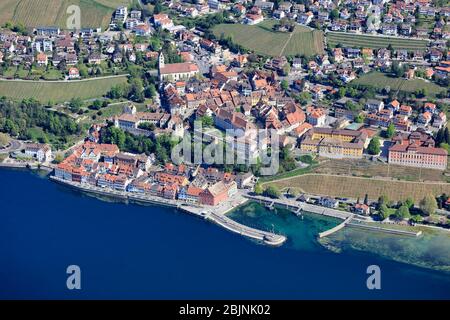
(66, 81)
(379, 35)
(13, 146)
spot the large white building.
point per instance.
(40, 152)
(121, 14)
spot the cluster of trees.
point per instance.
(441, 201)
(359, 118)
(356, 92)
(229, 43)
(271, 191)
(284, 84)
(374, 147)
(161, 146)
(428, 205)
(287, 161)
(16, 27)
(404, 210)
(390, 131)
(137, 89)
(442, 138)
(303, 98)
(398, 70)
(4, 139)
(17, 119)
(207, 22)
(401, 212)
(170, 53)
(207, 121)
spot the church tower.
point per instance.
(161, 61)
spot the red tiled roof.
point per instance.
(183, 67)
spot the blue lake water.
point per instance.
(129, 251)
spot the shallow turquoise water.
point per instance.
(431, 250)
(301, 231)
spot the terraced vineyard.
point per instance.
(374, 42)
(263, 40)
(33, 13)
(58, 91)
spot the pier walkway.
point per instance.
(383, 229)
(335, 229)
(267, 237)
(350, 220)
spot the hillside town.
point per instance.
(310, 102)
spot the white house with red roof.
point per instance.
(252, 19)
(316, 116)
(162, 20)
(74, 73)
(42, 59)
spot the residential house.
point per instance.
(328, 202)
(373, 105)
(42, 59)
(361, 208)
(74, 73)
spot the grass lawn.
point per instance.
(290, 174)
(10, 72)
(22, 73)
(383, 80)
(58, 91)
(263, 40)
(53, 74)
(95, 116)
(374, 42)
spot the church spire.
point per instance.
(161, 60)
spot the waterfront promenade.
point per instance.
(215, 214)
(349, 219)
(302, 206)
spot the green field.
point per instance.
(382, 80)
(374, 42)
(34, 13)
(58, 91)
(263, 40)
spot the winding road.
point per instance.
(14, 145)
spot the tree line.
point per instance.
(18, 118)
(161, 146)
